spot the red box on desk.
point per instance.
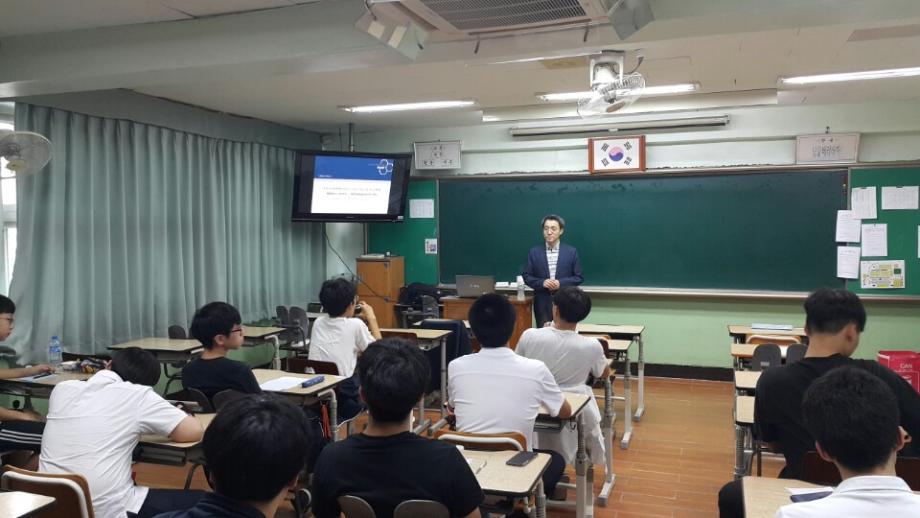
(905, 363)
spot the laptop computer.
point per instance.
(474, 285)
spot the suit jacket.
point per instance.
(568, 267)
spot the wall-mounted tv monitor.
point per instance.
(331, 186)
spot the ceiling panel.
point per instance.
(42, 16)
(214, 7)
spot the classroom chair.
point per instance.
(766, 356)
(305, 366)
(771, 339)
(299, 326)
(818, 471)
(429, 310)
(484, 441)
(207, 406)
(225, 397)
(421, 509)
(69, 490)
(405, 335)
(356, 507)
(174, 332)
(795, 352)
(282, 315)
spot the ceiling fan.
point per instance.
(25, 152)
(613, 88)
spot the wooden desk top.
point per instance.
(263, 375)
(744, 410)
(498, 478)
(53, 380)
(419, 323)
(261, 332)
(576, 401)
(764, 496)
(159, 440)
(738, 330)
(161, 344)
(609, 329)
(747, 350)
(19, 504)
(612, 344)
(746, 380)
(420, 334)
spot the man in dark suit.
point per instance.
(549, 267)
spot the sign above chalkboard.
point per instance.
(827, 148)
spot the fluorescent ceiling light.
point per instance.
(851, 76)
(432, 105)
(583, 127)
(647, 91)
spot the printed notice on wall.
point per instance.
(421, 208)
(431, 246)
(901, 198)
(847, 227)
(863, 202)
(875, 240)
(848, 262)
(881, 275)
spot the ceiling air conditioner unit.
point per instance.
(460, 17)
(580, 129)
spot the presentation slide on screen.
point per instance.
(351, 185)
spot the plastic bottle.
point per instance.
(55, 352)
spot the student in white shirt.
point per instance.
(339, 337)
(497, 391)
(571, 358)
(854, 418)
(93, 427)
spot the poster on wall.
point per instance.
(881, 275)
(616, 154)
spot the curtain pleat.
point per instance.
(131, 227)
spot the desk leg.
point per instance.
(581, 461)
(333, 411)
(739, 451)
(608, 430)
(541, 499)
(276, 347)
(641, 408)
(443, 421)
(627, 384)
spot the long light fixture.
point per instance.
(681, 88)
(563, 130)
(851, 76)
(431, 105)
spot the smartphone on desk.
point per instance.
(521, 458)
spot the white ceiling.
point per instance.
(722, 53)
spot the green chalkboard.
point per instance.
(902, 225)
(408, 238)
(748, 231)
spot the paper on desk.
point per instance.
(808, 490)
(36, 377)
(875, 240)
(901, 198)
(847, 227)
(863, 202)
(848, 262)
(421, 208)
(282, 383)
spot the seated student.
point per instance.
(19, 430)
(388, 464)
(571, 358)
(94, 425)
(834, 320)
(854, 418)
(339, 337)
(217, 327)
(497, 391)
(256, 448)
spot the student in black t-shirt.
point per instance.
(256, 448)
(834, 320)
(217, 327)
(387, 464)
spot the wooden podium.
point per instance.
(383, 277)
(457, 308)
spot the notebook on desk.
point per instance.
(473, 286)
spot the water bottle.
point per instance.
(54, 352)
(520, 288)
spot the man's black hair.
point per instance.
(492, 320)
(336, 295)
(137, 366)
(255, 446)
(557, 219)
(828, 311)
(573, 304)
(213, 319)
(394, 374)
(854, 416)
(7, 305)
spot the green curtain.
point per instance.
(133, 226)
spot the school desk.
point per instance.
(632, 333)
(19, 504)
(497, 478)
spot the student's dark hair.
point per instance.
(573, 303)
(854, 416)
(492, 320)
(336, 295)
(828, 311)
(553, 217)
(7, 305)
(137, 366)
(255, 446)
(394, 374)
(213, 319)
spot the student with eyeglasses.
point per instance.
(218, 327)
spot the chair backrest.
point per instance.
(355, 507)
(421, 509)
(514, 441)
(69, 490)
(198, 397)
(795, 352)
(771, 339)
(299, 317)
(405, 335)
(766, 356)
(314, 307)
(819, 471)
(908, 468)
(225, 397)
(177, 332)
(430, 305)
(281, 312)
(305, 366)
